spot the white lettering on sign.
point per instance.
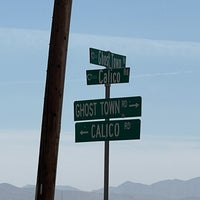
(105, 130)
(110, 107)
(116, 62)
(109, 77)
(104, 59)
(126, 71)
(85, 109)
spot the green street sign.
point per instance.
(107, 58)
(107, 130)
(107, 108)
(107, 76)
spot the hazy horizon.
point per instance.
(160, 40)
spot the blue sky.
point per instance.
(160, 39)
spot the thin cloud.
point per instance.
(131, 47)
(162, 74)
(11, 38)
(6, 83)
(137, 46)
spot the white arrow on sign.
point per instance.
(84, 132)
(134, 105)
(91, 76)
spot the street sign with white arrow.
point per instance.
(108, 76)
(107, 108)
(107, 58)
(107, 130)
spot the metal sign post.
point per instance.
(106, 153)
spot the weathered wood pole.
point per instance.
(52, 111)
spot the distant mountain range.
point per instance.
(163, 190)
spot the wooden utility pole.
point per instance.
(51, 122)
